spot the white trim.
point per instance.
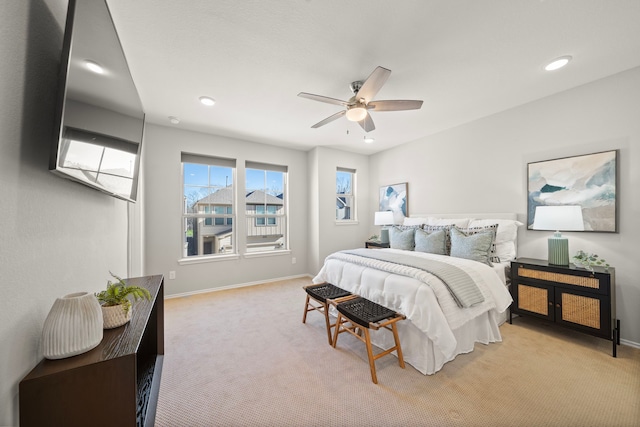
(347, 222)
(211, 258)
(238, 285)
(630, 343)
(265, 254)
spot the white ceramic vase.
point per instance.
(115, 316)
(73, 326)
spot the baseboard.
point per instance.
(239, 285)
(630, 343)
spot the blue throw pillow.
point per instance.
(433, 242)
(401, 239)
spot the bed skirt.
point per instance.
(420, 352)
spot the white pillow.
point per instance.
(414, 221)
(506, 238)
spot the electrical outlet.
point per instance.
(172, 275)
(293, 260)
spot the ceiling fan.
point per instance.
(361, 102)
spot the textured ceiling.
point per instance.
(466, 59)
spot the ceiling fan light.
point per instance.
(356, 114)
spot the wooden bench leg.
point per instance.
(327, 322)
(336, 331)
(306, 310)
(372, 361)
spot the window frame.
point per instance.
(353, 209)
(210, 218)
(254, 216)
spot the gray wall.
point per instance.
(482, 167)
(328, 235)
(163, 216)
(57, 236)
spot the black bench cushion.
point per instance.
(326, 291)
(362, 311)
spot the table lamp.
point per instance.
(384, 219)
(559, 218)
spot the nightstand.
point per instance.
(370, 244)
(568, 296)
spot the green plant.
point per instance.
(118, 293)
(588, 260)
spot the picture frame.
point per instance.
(588, 180)
(395, 198)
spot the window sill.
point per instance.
(347, 222)
(212, 258)
(266, 254)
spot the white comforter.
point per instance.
(419, 295)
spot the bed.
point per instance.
(437, 329)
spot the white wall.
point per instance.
(328, 235)
(57, 236)
(163, 216)
(482, 167)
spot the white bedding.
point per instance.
(436, 329)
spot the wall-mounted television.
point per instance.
(99, 117)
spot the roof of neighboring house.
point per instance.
(224, 196)
(260, 197)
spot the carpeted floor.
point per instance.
(243, 357)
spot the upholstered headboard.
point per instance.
(503, 215)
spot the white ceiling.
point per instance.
(466, 59)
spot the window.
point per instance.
(208, 200)
(345, 194)
(266, 210)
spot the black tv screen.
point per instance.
(99, 119)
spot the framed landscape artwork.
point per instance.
(395, 198)
(588, 181)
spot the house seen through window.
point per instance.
(265, 206)
(208, 200)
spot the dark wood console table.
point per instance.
(115, 384)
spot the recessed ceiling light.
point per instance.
(174, 120)
(368, 139)
(94, 66)
(208, 101)
(558, 63)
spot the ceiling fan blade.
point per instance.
(323, 99)
(367, 123)
(330, 119)
(374, 82)
(397, 105)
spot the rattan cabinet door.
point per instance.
(533, 299)
(585, 311)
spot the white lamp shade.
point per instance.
(73, 326)
(558, 218)
(383, 218)
(356, 114)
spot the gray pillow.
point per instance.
(401, 239)
(445, 228)
(433, 242)
(475, 246)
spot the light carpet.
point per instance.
(243, 357)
